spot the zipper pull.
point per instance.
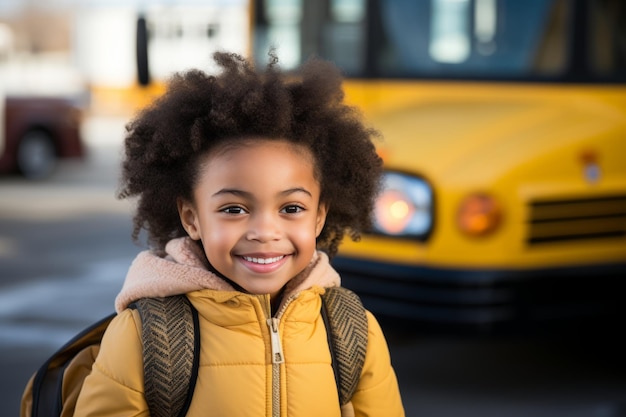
(277, 349)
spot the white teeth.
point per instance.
(263, 260)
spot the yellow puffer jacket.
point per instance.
(236, 375)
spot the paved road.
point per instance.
(65, 248)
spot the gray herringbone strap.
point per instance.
(168, 346)
(346, 318)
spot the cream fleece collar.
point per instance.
(184, 268)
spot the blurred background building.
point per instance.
(92, 42)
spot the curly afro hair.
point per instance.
(165, 142)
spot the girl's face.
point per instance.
(257, 211)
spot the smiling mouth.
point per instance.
(263, 261)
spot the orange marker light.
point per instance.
(479, 215)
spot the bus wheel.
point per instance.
(36, 156)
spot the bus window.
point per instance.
(555, 40)
(480, 38)
(344, 34)
(334, 30)
(608, 38)
(278, 26)
(449, 31)
(485, 26)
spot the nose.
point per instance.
(263, 227)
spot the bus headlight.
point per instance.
(479, 214)
(405, 206)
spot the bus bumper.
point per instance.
(485, 299)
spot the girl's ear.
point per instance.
(188, 218)
(322, 210)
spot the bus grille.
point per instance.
(577, 219)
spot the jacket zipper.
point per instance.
(278, 357)
(276, 354)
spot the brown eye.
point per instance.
(233, 210)
(292, 209)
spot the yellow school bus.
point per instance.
(504, 141)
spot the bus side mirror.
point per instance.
(143, 69)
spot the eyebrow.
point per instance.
(247, 194)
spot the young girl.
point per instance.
(246, 184)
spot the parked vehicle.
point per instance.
(504, 126)
(41, 105)
(37, 131)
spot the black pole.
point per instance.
(143, 69)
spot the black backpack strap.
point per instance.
(346, 326)
(48, 380)
(171, 352)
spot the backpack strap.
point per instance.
(47, 383)
(171, 353)
(346, 325)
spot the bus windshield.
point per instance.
(575, 40)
